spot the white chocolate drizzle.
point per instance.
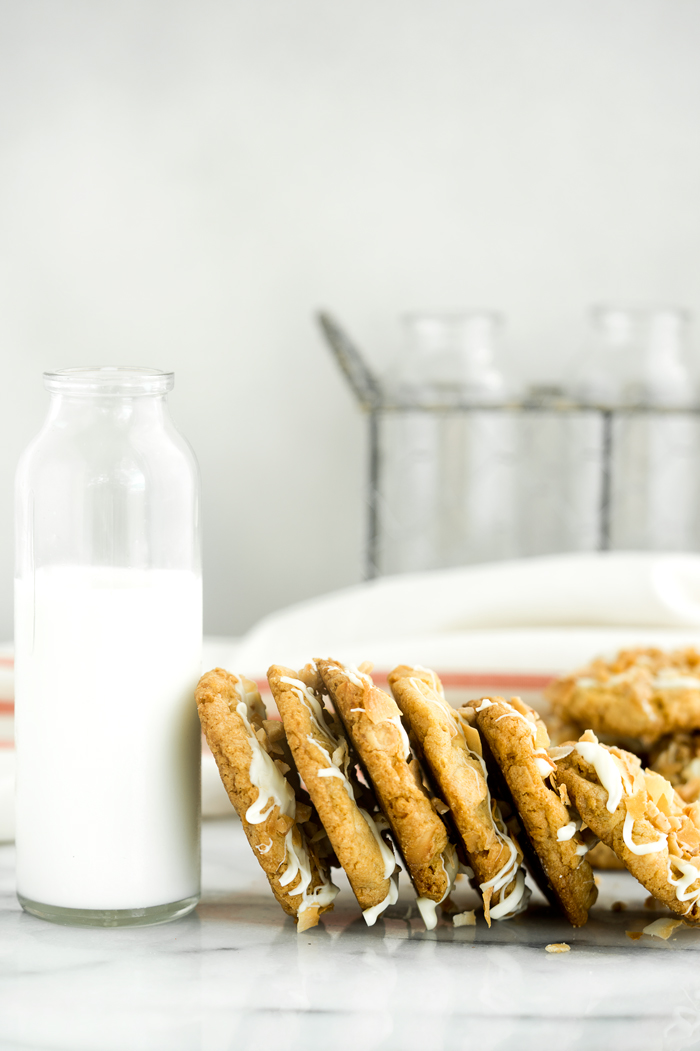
(606, 768)
(485, 703)
(689, 877)
(375, 911)
(641, 848)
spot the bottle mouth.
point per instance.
(113, 380)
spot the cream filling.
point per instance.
(606, 768)
(426, 906)
(544, 764)
(567, 831)
(641, 848)
(375, 911)
(387, 853)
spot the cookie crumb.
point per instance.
(634, 935)
(465, 919)
(618, 906)
(662, 928)
(557, 947)
(651, 902)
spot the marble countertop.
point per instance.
(235, 976)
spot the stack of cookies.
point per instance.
(354, 777)
(644, 701)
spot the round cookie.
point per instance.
(518, 741)
(373, 724)
(278, 825)
(321, 755)
(677, 758)
(640, 817)
(638, 697)
(452, 751)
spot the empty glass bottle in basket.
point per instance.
(638, 365)
(447, 447)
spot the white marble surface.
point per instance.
(235, 976)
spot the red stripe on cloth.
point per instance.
(7, 707)
(7, 662)
(6, 744)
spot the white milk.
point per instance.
(108, 743)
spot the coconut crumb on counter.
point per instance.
(618, 906)
(465, 919)
(634, 935)
(652, 903)
(557, 947)
(662, 928)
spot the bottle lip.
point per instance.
(111, 380)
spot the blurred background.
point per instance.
(184, 185)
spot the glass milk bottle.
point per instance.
(108, 650)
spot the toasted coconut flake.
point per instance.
(564, 795)
(487, 904)
(557, 947)
(465, 919)
(634, 935)
(662, 928)
(307, 918)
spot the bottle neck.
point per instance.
(116, 412)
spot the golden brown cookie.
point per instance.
(322, 758)
(677, 758)
(280, 827)
(637, 814)
(452, 751)
(602, 857)
(639, 696)
(518, 741)
(373, 724)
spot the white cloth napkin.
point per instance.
(541, 614)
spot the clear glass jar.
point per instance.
(445, 487)
(108, 633)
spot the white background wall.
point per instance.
(183, 182)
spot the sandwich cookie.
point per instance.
(451, 749)
(554, 844)
(290, 845)
(322, 757)
(635, 699)
(373, 724)
(640, 817)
